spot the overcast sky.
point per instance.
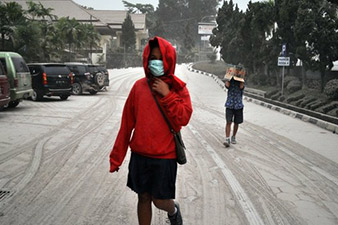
(118, 5)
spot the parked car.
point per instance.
(86, 78)
(18, 77)
(94, 69)
(5, 97)
(51, 79)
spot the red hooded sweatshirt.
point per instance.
(142, 118)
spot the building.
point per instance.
(107, 22)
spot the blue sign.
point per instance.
(284, 49)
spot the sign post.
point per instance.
(283, 61)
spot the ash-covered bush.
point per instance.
(288, 79)
(331, 89)
(295, 98)
(293, 86)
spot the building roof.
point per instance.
(99, 18)
(115, 18)
(61, 8)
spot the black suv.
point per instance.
(51, 79)
(103, 70)
(86, 78)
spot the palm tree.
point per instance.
(11, 15)
(69, 30)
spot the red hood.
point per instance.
(169, 62)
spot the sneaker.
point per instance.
(227, 142)
(176, 219)
(233, 140)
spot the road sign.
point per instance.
(283, 61)
(284, 50)
(205, 28)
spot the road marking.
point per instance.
(248, 208)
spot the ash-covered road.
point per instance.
(54, 163)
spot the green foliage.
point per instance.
(295, 98)
(177, 20)
(242, 36)
(11, 15)
(331, 89)
(128, 37)
(33, 34)
(293, 86)
(316, 34)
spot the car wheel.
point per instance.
(99, 79)
(36, 96)
(76, 89)
(64, 97)
(13, 104)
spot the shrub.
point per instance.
(330, 107)
(295, 98)
(313, 84)
(317, 104)
(262, 79)
(269, 94)
(281, 98)
(293, 86)
(331, 89)
(306, 101)
(276, 96)
(288, 79)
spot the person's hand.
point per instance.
(160, 87)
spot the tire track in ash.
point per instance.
(296, 162)
(217, 143)
(207, 202)
(243, 199)
(34, 165)
(48, 219)
(16, 150)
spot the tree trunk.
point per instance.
(322, 79)
(303, 78)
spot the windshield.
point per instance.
(20, 65)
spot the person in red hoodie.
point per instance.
(153, 166)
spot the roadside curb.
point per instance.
(251, 98)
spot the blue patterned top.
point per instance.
(235, 94)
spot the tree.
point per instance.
(227, 33)
(43, 18)
(11, 15)
(316, 34)
(128, 37)
(177, 16)
(147, 9)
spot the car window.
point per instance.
(3, 62)
(56, 70)
(93, 69)
(20, 65)
(2, 70)
(78, 69)
(34, 69)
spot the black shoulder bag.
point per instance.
(180, 147)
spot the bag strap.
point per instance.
(163, 114)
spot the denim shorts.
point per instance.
(234, 115)
(154, 176)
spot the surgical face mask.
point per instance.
(156, 67)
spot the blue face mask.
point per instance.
(156, 67)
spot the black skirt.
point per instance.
(154, 176)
